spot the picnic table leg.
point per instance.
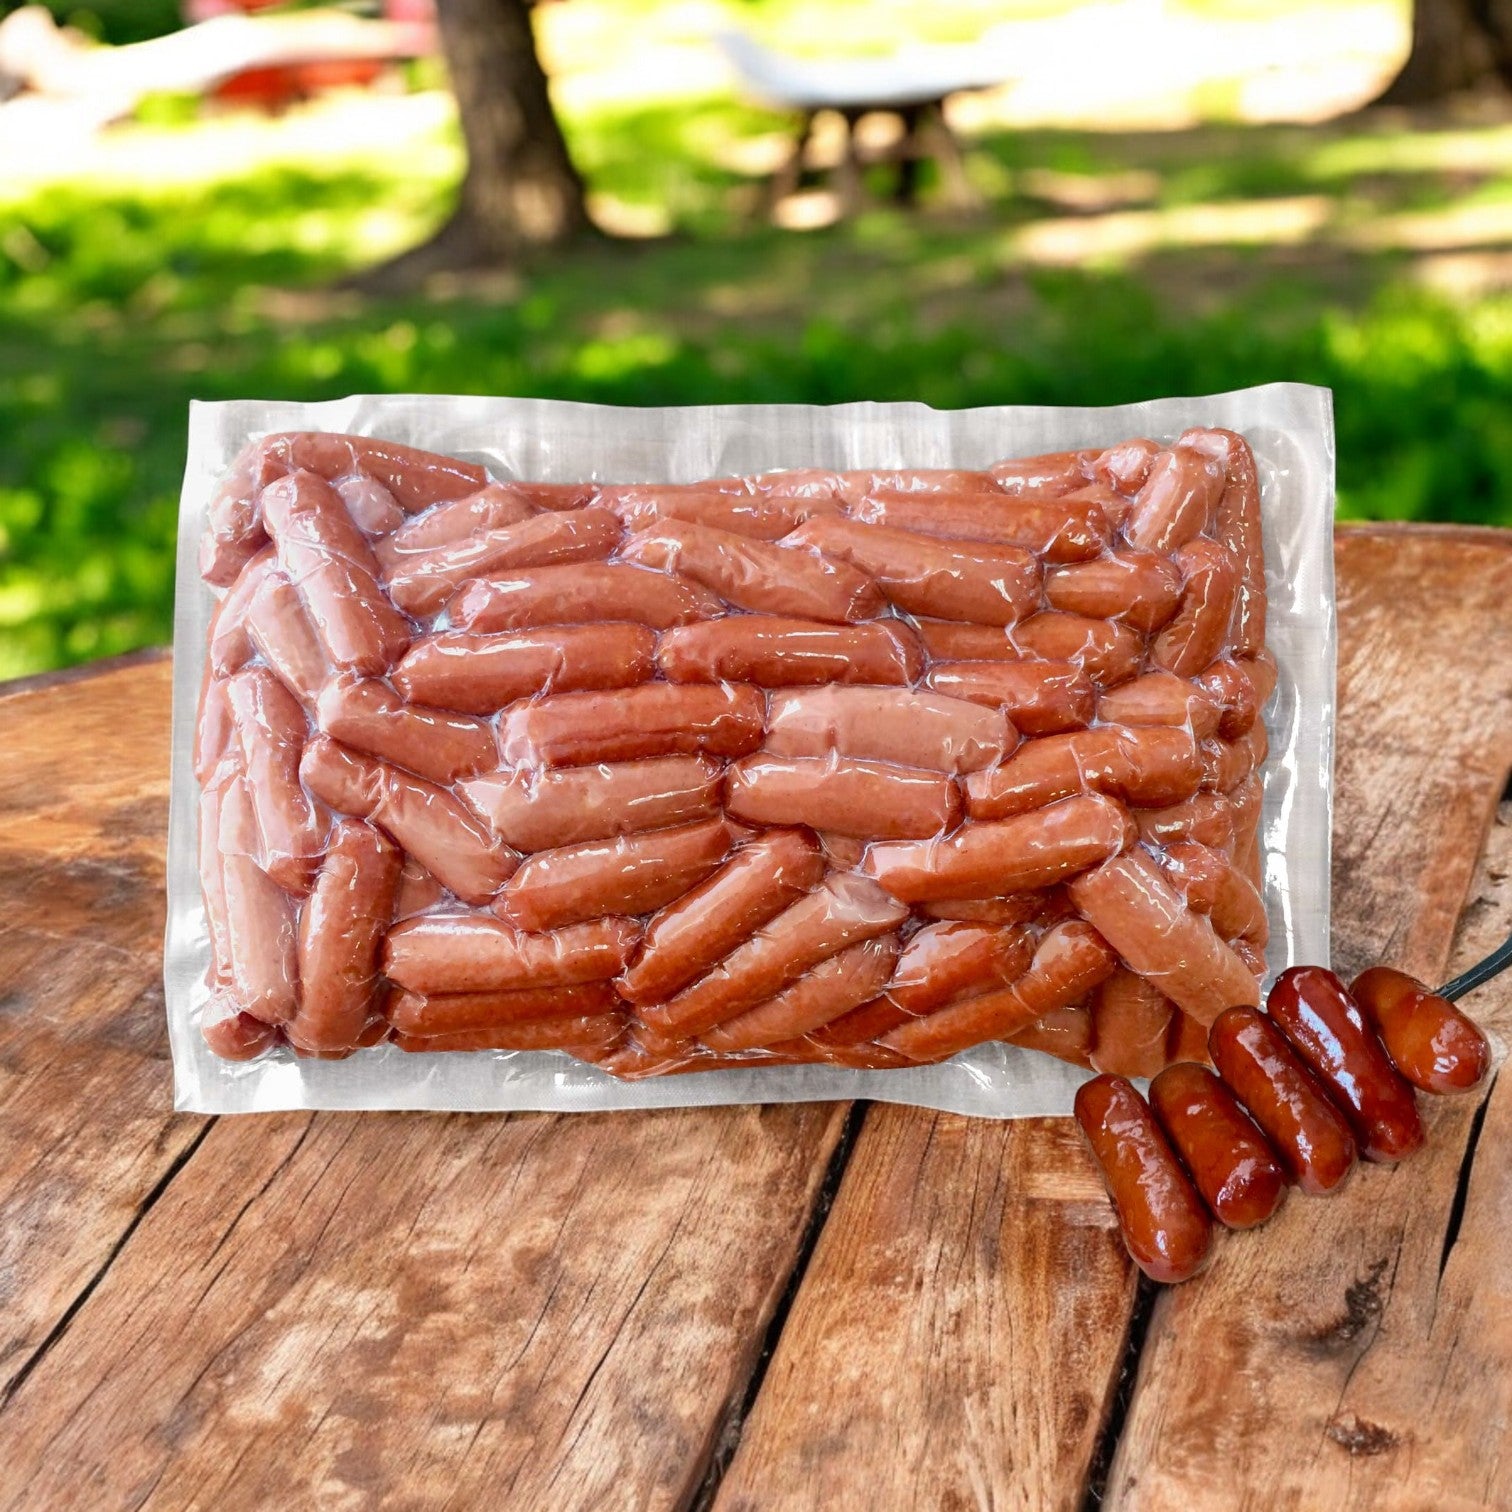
(848, 173)
(937, 140)
(910, 151)
(789, 175)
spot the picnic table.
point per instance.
(821, 1306)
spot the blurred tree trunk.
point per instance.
(520, 190)
(1457, 46)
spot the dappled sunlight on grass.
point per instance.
(1373, 255)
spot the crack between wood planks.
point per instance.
(1105, 1446)
(145, 1206)
(727, 1438)
(1462, 1185)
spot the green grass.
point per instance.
(119, 305)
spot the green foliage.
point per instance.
(117, 21)
(119, 304)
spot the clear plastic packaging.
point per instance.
(879, 752)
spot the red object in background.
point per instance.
(276, 88)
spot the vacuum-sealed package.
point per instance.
(535, 755)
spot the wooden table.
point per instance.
(822, 1306)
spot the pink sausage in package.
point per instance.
(530, 754)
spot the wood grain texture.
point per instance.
(1323, 1362)
(86, 1123)
(410, 1311)
(958, 1333)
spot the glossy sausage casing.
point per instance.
(1240, 1177)
(1162, 1219)
(1435, 1046)
(1316, 1013)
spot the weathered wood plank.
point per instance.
(1325, 1362)
(958, 1332)
(86, 1122)
(406, 1311)
(965, 1383)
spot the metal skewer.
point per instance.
(1480, 973)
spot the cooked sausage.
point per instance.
(1065, 1033)
(757, 575)
(1177, 501)
(987, 859)
(370, 717)
(231, 646)
(1050, 474)
(340, 933)
(1158, 698)
(279, 628)
(691, 935)
(1237, 1172)
(761, 517)
(234, 1035)
(371, 505)
(536, 809)
(417, 479)
(1069, 961)
(864, 799)
(495, 506)
(472, 952)
(214, 729)
(1187, 1039)
(1060, 530)
(860, 482)
(581, 593)
(1016, 908)
(1040, 697)
(417, 890)
(776, 653)
(1239, 528)
(1314, 1011)
(233, 522)
(988, 585)
(1428, 1039)
(1213, 885)
(558, 495)
(461, 1012)
(421, 583)
(824, 992)
(1149, 924)
(272, 729)
(593, 1032)
(844, 910)
(1126, 465)
(1205, 817)
(1130, 1019)
(946, 961)
(630, 874)
(1164, 1224)
(797, 483)
(261, 932)
(1209, 591)
(1231, 687)
(1137, 587)
(428, 821)
(888, 724)
(654, 719)
(1263, 1071)
(329, 562)
(480, 674)
(1109, 653)
(1149, 765)
(212, 882)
